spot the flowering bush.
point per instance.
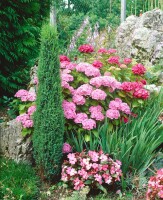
(93, 169)
(101, 87)
(155, 186)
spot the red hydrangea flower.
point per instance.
(102, 51)
(86, 48)
(141, 94)
(97, 64)
(139, 69)
(127, 61)
(113, 60)
(64, 58)
(110, 51)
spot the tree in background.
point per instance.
(49, 119)
(20, 28)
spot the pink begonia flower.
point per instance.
(127, 61)
(78, 99)
(97, 63)
(93, 155)
(95, 166)
(107, 178)
(86, 48)
(78, 184)
(113, 60)
(80, 117)
(72, 159)
(103, 51)
(110, 51)
(103, 158)
(98, 178)
(89, 124)
(84, 90)
(83, 174)
(92, 71)
(112, 114)
(85, 162)
(141, 94)
(69, 109)
(71, 171)
(64, 58)
(98, 94)
(139, 69)
(31, 110)
(66, 148)
(81, 67)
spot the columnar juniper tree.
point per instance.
(49, 119)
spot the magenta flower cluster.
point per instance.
(155, 186)
(90, 169)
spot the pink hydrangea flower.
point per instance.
(21, 93)
(125, 108)
(67, 77)
(112, 114)
(22, 117)
(111, 51)
(86, 48)
(102, 51)
(115, 104)
(64, 58)
(66, 148)
(96, 113)
(64, 64)
(28, 123)
(141, 94)
(92, 71)
(139, 69)
(97, 64)
(31, 110)
(113, 60)
(81, 67)
(80, 117)
(127, 61)
(95, 109)
(89, 124)
(98, 94)
(84, 90)
(78, 99)
(69, 109)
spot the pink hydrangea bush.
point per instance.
(155, 186)
(93, 169)
(104, 86)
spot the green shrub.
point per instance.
(49, 119)
(17, 181)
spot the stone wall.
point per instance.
(142, 37)
(13, 144)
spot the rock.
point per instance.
(142, 38)
(13, 144)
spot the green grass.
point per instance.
(18, 181)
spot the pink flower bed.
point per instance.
(155, 186)
(91, 169)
